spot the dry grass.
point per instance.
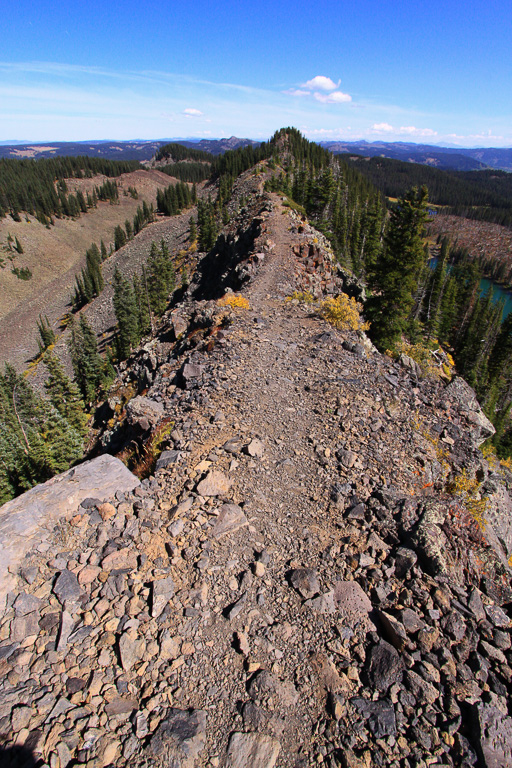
(53, 252)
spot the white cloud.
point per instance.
(296, 92)
(321, 83)
(382, 128)
(411, 130)
(337, 97)
(191, 112)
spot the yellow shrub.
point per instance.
(234, 300)
(343, 313)
(304, 297)
(432, 359)
(466, 489)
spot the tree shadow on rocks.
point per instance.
(19, 757)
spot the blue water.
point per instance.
(498, 293)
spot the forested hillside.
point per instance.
(38, 187)
(485, 194)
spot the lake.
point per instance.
(498, 293)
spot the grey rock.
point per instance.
(256, 449)
(120, 706)
(405, 559)
(265, 684)
(423, 691)
(229, 520)
(27, 520)
(66, 626)
(495, 736)
(167, 458)
(163, 590)
(66, 587)
(144, 412)
(497, 616)
(190, 373)
(386, 666)
(305, 581)
(233, 610)
(179, 738)
(380, 716)
(460, 391)
(252, 750)
(214, 484)
(26, 604)
(131, 649)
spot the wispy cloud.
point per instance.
(191, 112)
(336, 97)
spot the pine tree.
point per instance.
(395, 277)
(127, 314)
(64, 394)
(46, 333)
(86, 360)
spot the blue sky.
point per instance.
(436, 72)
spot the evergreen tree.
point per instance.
(46, 333)
(395, 276)
(127, 314)
(86, 360)
(64, 394)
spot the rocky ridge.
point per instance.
(294, 585)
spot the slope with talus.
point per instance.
(292, 586)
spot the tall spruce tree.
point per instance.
(127, 314)
(86, 360)
(395, 276)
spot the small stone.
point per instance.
(258, 569)
(66, 587)
(256, 449)
(214, 484)
(423, 691)
(120, 706)
(88, 574)
(106, 510)
(380, 716)
(20, 718)
(131, 649)
(163, 590)
(305, 581)
(26, 604)
(386, 666)
(111, 750)
(405, 559)
(242, 642)
(236, 608)
(120, 559)
(230, 519)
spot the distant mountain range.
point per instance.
(444, 158)
(117, 150)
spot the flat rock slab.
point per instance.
(29, 519)
(252, 750)
(495, 736)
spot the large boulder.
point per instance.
(29, 519)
